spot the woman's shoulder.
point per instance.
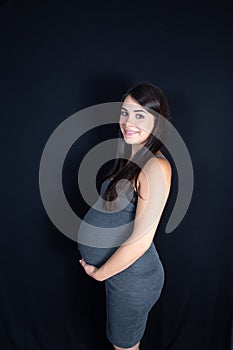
(154, 165)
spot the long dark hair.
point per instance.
(152, 99)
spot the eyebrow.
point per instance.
(136, 110)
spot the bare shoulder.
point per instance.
(152, 170)
(155, 165)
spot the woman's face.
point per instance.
(135, 122)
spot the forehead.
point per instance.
(131, 100)
(130, 103)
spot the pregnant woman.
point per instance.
(132, 199)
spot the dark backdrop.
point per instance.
(58, 57)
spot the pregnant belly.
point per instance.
(100, 234)
(95, 256)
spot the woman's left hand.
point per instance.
(91, 270)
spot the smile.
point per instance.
(130, 133)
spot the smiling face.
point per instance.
(135, 122)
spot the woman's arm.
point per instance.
(154, 186)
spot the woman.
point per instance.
(132, 272)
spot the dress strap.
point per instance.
(160, 156)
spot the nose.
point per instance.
(129, 120)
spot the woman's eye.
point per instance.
(124, 113)
(139, 116)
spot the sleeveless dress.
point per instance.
(131, 293)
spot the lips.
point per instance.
(130, 132)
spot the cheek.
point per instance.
(146, 127)
(151, 125)
(121, 122)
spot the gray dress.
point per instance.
(131, 293)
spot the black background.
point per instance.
(58, 57)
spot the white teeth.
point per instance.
(130, 132)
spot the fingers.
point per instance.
(82, 262)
